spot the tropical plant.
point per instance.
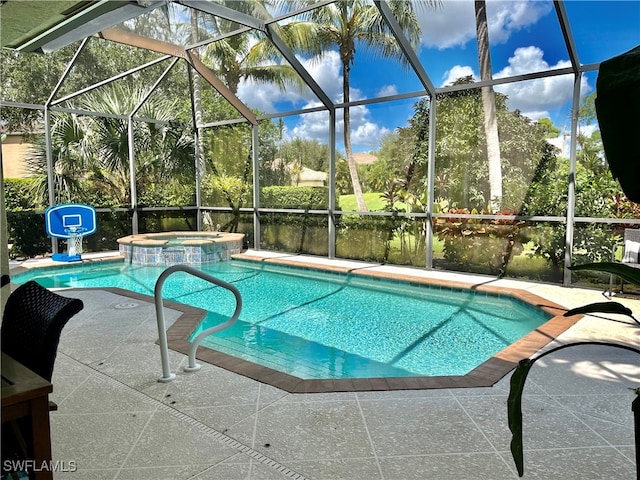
(246, 55)
(163, 151)
(68, 156)
(95, 150)
(348, 26)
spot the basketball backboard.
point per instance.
(65, 218)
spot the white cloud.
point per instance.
(325, 71)
(534, 98)
(314, 125)
(453, 24)
(264, 95)
(437, 25)
(458, 71)
(365, 133)
(560, 142)
(587, 130)
(387, 91)
(506, 17)
(368, 134)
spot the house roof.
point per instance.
(308, 175)
(364, 158)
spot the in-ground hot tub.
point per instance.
(170, 248)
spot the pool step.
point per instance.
(292, 363)
(302, 358)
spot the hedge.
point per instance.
(312, 198)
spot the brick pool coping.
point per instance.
(484, 375)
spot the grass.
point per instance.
(375, 203)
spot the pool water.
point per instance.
(314, 324)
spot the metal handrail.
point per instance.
(167, 376)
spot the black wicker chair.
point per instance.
(32, 322)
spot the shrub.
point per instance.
(479, 242)
(26, 238)
(17, 194)
(312, 198)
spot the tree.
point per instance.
(489, 107)
(550, 130)
(69, 161)
(348, 26)
(28, 78)
(247, 55)
(163, 153)
(308, 153)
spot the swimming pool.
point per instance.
(313, 324)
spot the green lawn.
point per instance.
(375, 203)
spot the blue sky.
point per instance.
(525, 37)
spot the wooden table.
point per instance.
(26, 395)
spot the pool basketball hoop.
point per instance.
(74, 241)
(71, 221)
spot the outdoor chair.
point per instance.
(32, 322)
(630, 253)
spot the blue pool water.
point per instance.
(314, 324)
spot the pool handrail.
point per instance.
(167, 376)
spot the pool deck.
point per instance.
(116, 421)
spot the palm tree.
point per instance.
(246, 55)
(347, 26)
(163, 153)
(489, 107)
(68, 143)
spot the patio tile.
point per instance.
(306, 431)
(146, 383)
(576, 464)
(66, 366)
(129, 358)
(404, 394)
(86, 346)
(545, 425)
(609, 415)
(87, 474)
(319, 397)
(162, 473)
(223, 417)
(169, 441)
(587, 370)
(243, 467)
(421, 426)
(100, 395)
(348, 468)
(470, 466)
(95, 441)
(211, 386)
(628, 452)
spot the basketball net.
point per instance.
(74, 241)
